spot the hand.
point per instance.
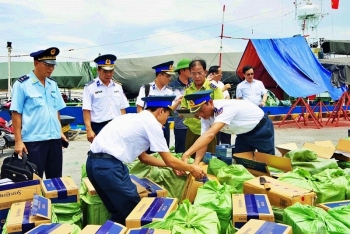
(179, 173)
(63, 137)
(20, 147)
(227, 86)
(198, 172)
(185, 157)
(262, 103)
(210, 76)
(90, 135)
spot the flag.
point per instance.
(335, 4)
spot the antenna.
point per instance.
(222, 35)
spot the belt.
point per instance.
(104, 122)
(99, 155)
(262, 121)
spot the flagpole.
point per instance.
(9, 48)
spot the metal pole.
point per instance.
(9, 48)
(222, 34)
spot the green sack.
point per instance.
(164, 176)
(329, 185)
(278, 214)
(308, 159)
(218, 198)
(309, 219)
(214, 166)
(343, 165)
(272, 100)
(234, 175)
(341, 213)
(69, 213)
(189, 219)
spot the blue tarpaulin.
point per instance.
(291, 64)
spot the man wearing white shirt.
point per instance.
(215, 75)
(253, 128)
(251, 89)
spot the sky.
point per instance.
(83, 29)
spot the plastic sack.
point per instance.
(69, 213)
(272, 100)
(329, 185)
(189, 219)
(215, 165)
(309, 219)
(234, 175)
(278, 214)
(341, 213)
(309, 160)
(163, 176)
(218, 198)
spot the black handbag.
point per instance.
(18, 169)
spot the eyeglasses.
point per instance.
(249, 74)
(49, 65)
(193, 74)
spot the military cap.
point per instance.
(46, 56)
(106, 61)
(165, 67)
(159, 101)
(196, 100)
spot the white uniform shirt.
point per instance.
(221, 86)
(154, 91)
(240, 116)
(104, 102)
(251, 91)
(127, 136)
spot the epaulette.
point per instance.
(213, 86)
(51, 79)
(117, 82)
(23, 78)
(89, 83)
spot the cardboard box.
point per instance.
(257, 163)
(90, 188)
(24, 216)
(281, 193)
(150, 209)
(147, 188)
(250, 206)
(11, 192)
(52, 228)
(259, 226)
(107, 227)
(60, 190)
(329, 205)
(192, 184)
(324, 149)
(147, 230)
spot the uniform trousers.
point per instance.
(180, 140)
(47, 156)
(223, 138)
(97, 127)
(261, 138)
(111, 180)
(191, 138)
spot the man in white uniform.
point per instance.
(103, 98)
(253, 128)
(251, 89)
(160, 87)
(123, 140)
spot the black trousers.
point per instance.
(97, 127)
(47, 156)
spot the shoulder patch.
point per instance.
(117, 82)
(213, 86)
(23, 78)
(51, 79)
(89, 83)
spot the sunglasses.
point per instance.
(249, 74)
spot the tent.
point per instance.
(287, 64)
(67, 74)
(133, 72)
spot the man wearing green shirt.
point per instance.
(198, 74)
